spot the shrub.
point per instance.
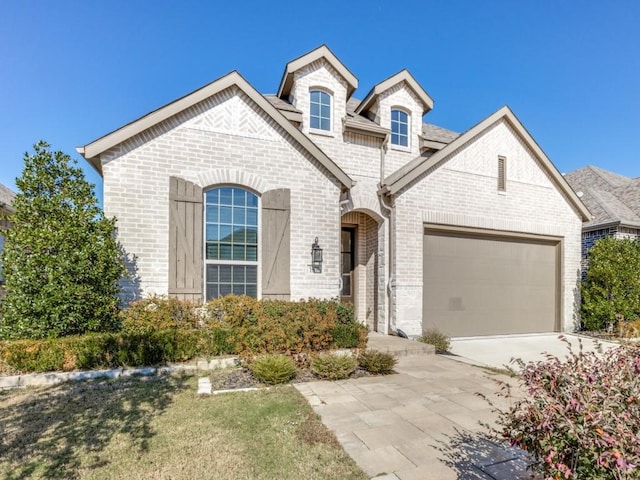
(578, 418)
(111, 350)
(61, 260)
(159, 313)
(375, 361)
(439, 340)
(611, 289)
(630, 329)
(273, 369)
(333, 366)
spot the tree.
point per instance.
(61, 260)
(611, 290)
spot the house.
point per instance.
(6, 198)
(614, 201)
(310, 192)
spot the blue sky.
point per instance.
(71, 71)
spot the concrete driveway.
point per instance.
(421, 423)
(498, 351)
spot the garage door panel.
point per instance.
(486, 285)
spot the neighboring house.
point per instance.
(614, 201)
(226, 190)
(6, 198)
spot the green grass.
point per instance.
(159, 428)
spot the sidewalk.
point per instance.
(421, 423)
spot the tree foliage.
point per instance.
(611, 290)
(61, 259)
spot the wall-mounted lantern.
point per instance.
(316, 257)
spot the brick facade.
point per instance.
(228, 139)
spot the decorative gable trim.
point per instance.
(420, 165)
(92, 151)
(402, 76)
(322, 51)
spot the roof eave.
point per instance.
(402, 76)
(92, 151)
(405, 175)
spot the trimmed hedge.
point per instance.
(158, 330)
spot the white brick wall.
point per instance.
(463, 192)
(226, 139)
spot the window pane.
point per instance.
(225, 273)
(252, 274)
(325, 111)
(324, 124)
(404, 141)
(252, 200)
(238, 215)
(315, 109)
(252, 254)
(239, 197)
(239, 235)
(212, 251)
(225, 233)
(238, 289)
(315, 95)
(403, 128)
(252, 235)
(212, 273)
(252, 217)
(252, 291)
(225, 289)
(212, 213)
(212, 232)
(213, 195)
(226, 196)
(225, 251)
(395, 139)
(238, 252)
(315, 122)
(212, 291)
(226, 215)
(238, 274)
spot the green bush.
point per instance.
(333, 366)
(61, 262)
(435, 337)
(579, 417)
(378, 362)
(273, 369)
(611, 290)
(111, 350)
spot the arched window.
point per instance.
(399, 128)
(231, 242)
(320, 115)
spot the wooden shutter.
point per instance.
(185, 240)
(276, 250)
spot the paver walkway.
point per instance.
(421, 423)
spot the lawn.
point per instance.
(159, 428)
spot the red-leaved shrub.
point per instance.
(580, 417)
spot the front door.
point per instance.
(347, 251)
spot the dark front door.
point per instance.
(347, 251)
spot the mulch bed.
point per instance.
(235, 378)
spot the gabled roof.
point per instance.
(416, 167)
(321, 52)
(401, 76)
(92, 151)
(6, 197)
(612, 198)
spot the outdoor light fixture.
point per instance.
(316, 257)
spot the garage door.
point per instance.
(488, 284)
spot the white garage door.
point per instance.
(489, 284)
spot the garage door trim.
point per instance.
(470, 232)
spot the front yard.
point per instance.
(159, 428)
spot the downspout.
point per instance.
(388, 246)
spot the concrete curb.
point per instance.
(53, 378)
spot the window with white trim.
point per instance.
(231, 242)
(399, 128)
(320, 114)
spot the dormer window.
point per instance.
(320, 115)
(399, 128)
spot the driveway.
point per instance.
(421, 423)
(498, 351)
